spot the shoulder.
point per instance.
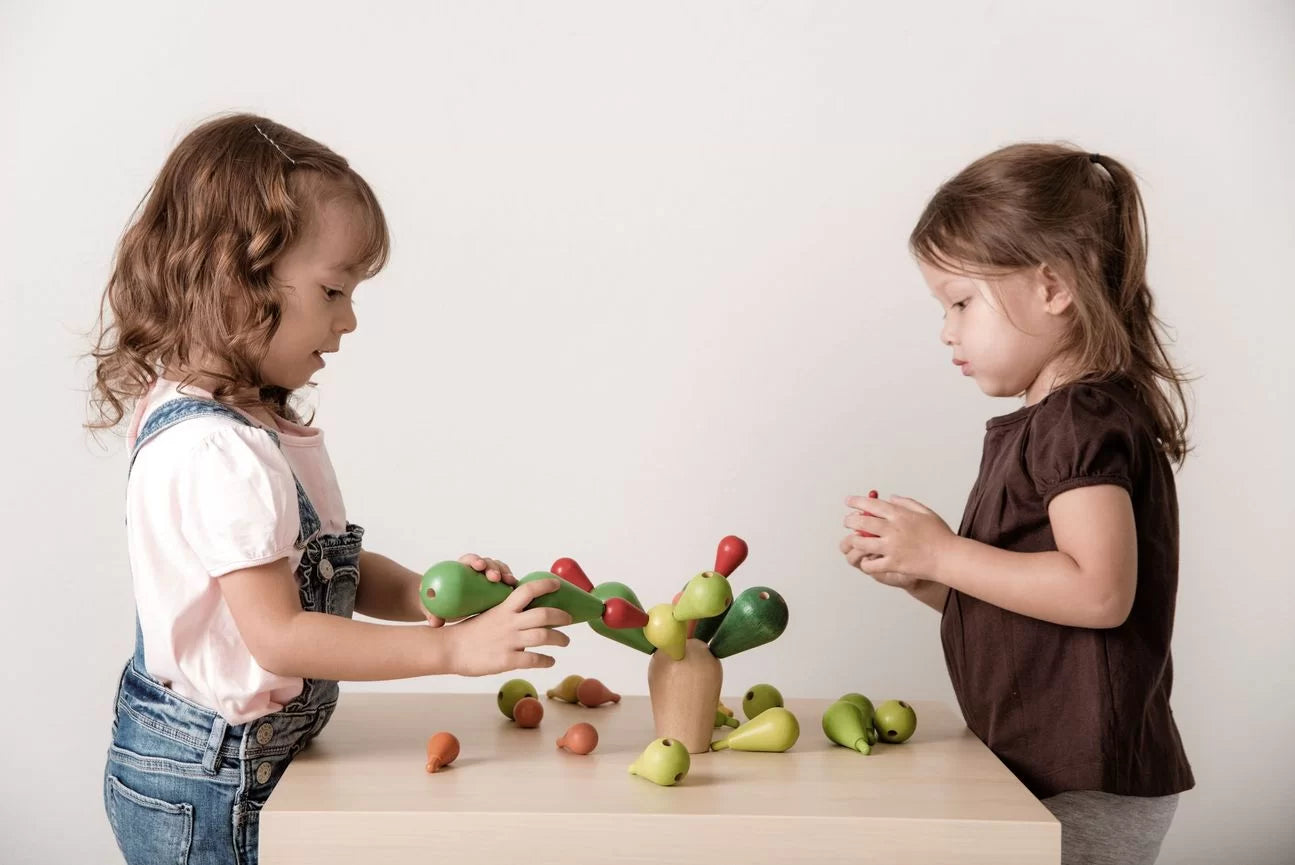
(1087, 433)
(1095, 409)
(211, 442)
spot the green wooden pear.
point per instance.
(666, 632)
(865, 706)
(632, 637)
(452, 590)
(843, 723)
(707, 594)
(773, 729)
(757, 616)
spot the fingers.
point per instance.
(543, 617)
(495, 570)
(859, 522)
(911, 504)
(532, 660)
(527, 592)
(434, 620)
(869, 546)
(878, 507)
(533, 637)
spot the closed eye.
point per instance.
(962, 304)
(332, 293)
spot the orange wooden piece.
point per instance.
(442, 750)
(579, 738)
(593, 693)
(528, 712)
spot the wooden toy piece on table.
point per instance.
(774, 730)
(665, 761)
(592, 693)
(566, 689)
(511, 692)
(528, 712)
(843, 724)
(442, 750)
(579, 738)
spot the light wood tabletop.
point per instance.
(360, 794)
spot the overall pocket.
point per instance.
(341, 587)
(149, 831)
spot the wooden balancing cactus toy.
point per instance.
(686, 638)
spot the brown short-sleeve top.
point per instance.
(1069, 708)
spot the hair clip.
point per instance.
(272, 141)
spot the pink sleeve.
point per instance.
(237, 501)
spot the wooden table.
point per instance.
(360, 794)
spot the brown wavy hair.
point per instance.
(1080, 213)
(191, 284)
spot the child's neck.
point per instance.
(209, 384)
(1055, 373)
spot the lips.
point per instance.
(963, 365)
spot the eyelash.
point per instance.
(331, 293)
(962, 304)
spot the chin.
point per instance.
(996, 389)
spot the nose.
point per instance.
(948, 335)
(346, 321)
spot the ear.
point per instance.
(1052, 290)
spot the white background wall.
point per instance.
(650, 287)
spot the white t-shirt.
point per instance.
(208, 496)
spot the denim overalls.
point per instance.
(182, 785)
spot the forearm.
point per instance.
(324, 646)
(1049, 585)
(388, 590)
(931, 593)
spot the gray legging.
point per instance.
(1105, 829)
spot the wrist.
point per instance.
(414, 600)
(443, 650)
(943, 555)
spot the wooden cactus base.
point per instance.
(685, 695)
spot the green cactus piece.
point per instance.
(757, 616)
(453, 590)
(582, 606)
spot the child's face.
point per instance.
(316, 296)
(1004, 341)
